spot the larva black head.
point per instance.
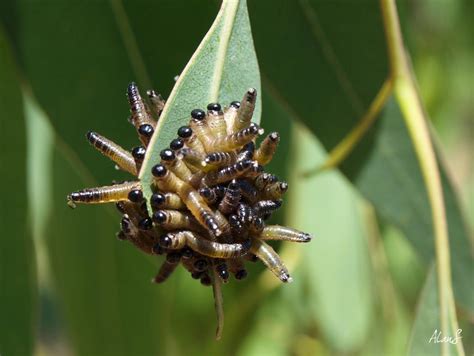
(206, 192)
(258, 224)
(214, 107)
(145, 224)
(156, 200)
(165, 241)
(233, 185)
(205, 279)
(167, 155)
(146, 130)
(159, 171)
(139, 153)
(74, 196)
(173, 257)
(121, 235)
(187, 253)
(200, 265)
(244, 165)
(241, 274)
(135, 196)
(185, 132)
(196, 275)
(198, 114)
(255, 129)
(91, 135)
(177, 144)
(235, 104)
(159, 217)
(222, 271)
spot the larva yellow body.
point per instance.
(205, 247)
(267, 148)
(271, 259)
(105, 194)
(121, 157)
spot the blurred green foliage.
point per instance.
(357, 284)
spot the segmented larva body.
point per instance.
(211, 195)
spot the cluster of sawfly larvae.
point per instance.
(211, 196)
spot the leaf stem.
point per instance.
(405, 90)
(339, 153)
(218, 303)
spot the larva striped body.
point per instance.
(105, 194)
(205, 247)
(215, 120)
(121, 157)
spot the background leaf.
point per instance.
(18, 293)
(96, 279)
(338, 258)
(335, 48)
(425, 338)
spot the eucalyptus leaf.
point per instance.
(392, 181)
(335, 68)
(103, 285)
(426, 337)
(18, 294)
(223, 67)
(337, 259)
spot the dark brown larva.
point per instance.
(211, 194)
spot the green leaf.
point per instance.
(426, 338)
(103, 285)
(76, 61)
(337, 65)
(322, 59)
(223, 67)
(337, 260)
(272, 330)
(18, 294)
(392, 181)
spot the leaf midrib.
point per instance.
(226, 32)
